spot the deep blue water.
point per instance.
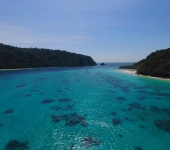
(95, 108)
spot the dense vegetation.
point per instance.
(157, 64)
(14, 57)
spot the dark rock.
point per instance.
(136, 105)
(141, 126)
(56, 119)
(9, 111)
(102, 64)
(59, 90)
(64, 100)
(16, 145)
(1, 124)
(116, 121)
(27, 95)
(121, 98)
(88, 142)
(158, 110)
(56, 108)
(72, 147)
(130, 120)
(113, 113)
(120, 135)
(138, 148)
(47, 101)
(130, 109)
(21, 85)
(141, 98)
(141, 118)
(123, 109)
(163, 125)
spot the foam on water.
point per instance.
(113, 109)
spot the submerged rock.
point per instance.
(16, 145)
(137, 106)
(113, 113)
(102, 64)
(70, 120)
(120, 135)
(9, 111)
(138, 148)
(64, 100)
(163, 124)
(27, 95)
(116, 121)
(88, 142)
(120, 98)
(47, 101)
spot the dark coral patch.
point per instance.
(158, 110)
(141, 98)
(47, 101)
(75, 119)
(62, 100)
(21, 85)
(70, 120)
(9, 111)
(56, 108)
(27, 95)
(56, 119)
(113, 113)
(116, 121)
(120, 98)
(1, 124)
(59, 90)
(120, 135)
(141, 118)
(130, 109)
(88, 142)
(128, 119)
(142, 126)
(137, 106)
(138, 148)
(16, 145)
(123, 109)
(163, 124)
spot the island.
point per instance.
(157, 64)
(14, 57)
(102, 64)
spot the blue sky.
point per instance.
(106, 30)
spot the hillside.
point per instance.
(13, 57)
(157, 64)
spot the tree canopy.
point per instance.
(14, 57)
(157, 64)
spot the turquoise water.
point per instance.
(115, 110)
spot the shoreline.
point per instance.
(133, 72)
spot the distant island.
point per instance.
(157, 64)
(14, 57)
(102, 64)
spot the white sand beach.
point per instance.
(132, 71)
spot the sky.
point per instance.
(106, 30)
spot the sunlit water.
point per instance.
(114, 109)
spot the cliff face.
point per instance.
(14, 57)
(157, 64)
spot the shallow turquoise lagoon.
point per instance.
(95, 108)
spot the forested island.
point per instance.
(14, 57)
(157, 64)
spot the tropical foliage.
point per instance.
(157, 64)
(14, 57)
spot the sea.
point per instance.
(79, 108)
